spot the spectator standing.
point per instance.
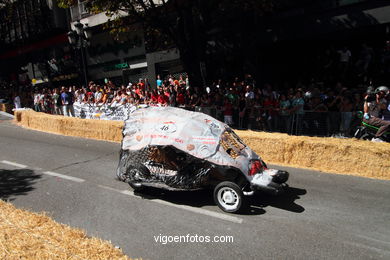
(67, 102)
(56, 99)
(344, 60)
(271, 106)
(346, 108)
(16, 100)
(365, 57)
(284, 113)
(333, 104)
(158, 81)
(242, 105)
(37, 101)
(249, 94)
(228, 112)
(297, 111)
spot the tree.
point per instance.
(189, 24)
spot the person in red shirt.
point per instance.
(163, 99)
(271, 105)
(154, 97)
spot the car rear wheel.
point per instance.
(229, 197)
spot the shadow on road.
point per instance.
(285, 201)
(200, 198)
(16, 182)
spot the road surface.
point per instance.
(322, 216)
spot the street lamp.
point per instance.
(79, 39)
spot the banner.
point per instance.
(104, 112)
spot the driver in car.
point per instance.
(372, 113)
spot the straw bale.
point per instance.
(87, 128)
(345, 156)
(26, 235)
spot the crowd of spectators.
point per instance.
(313, 108)
(323, 106)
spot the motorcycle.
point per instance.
(367, 132)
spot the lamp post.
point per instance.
(79, 39)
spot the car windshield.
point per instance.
(231, 143)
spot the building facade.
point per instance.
(34, 44)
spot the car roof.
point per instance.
(192, 132)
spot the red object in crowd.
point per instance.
(163, 99)
(228, 109)
(154, 98)
(271, 105)
(141, 86)
(180, 99)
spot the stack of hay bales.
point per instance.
(88, 128)
(25, 235)
(345, 156)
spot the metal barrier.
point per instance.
(309, 123)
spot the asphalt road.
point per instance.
(322, 216)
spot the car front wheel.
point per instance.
(229, 197)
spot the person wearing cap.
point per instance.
(372, 114)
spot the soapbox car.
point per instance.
(176, 149)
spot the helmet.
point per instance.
(384, 89)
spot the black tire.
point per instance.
(229, 197)
(359, 132)
(136, 174)
(366, 136)
(136, 186)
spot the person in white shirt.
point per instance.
(17, 102)
(344, 60)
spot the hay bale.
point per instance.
(26, 235)
(87, 128)
(345, 156)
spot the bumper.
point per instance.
(270, 181)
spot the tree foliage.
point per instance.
(202, 30)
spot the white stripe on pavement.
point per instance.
(108, 188)
(66, 177)
(192, 209)
(14, 164)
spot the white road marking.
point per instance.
(128, 192)
(14, 164)
(66, 177)
(108, 188)
(192, 209)
(131, 193)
